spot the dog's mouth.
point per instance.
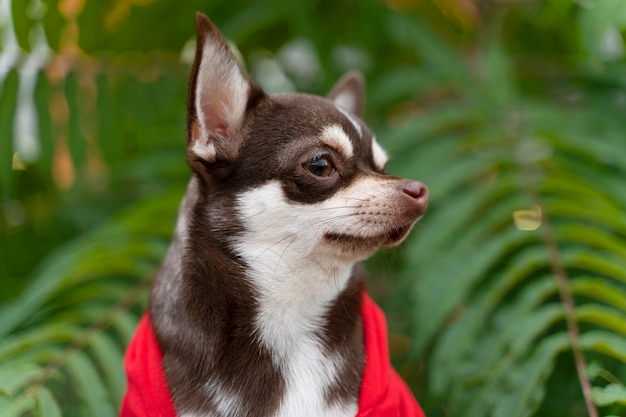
(396, 235)
(389, 238)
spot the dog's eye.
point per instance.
(321, 167)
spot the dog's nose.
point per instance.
(418, 193)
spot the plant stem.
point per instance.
(558, 270)
(569, 305)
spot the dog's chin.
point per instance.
(367, 245)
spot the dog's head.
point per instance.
(296, 170)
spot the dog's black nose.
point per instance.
(418, 192)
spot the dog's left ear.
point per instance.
(349, 93)
(219, 93)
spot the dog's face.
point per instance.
(299, 171)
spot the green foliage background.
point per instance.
(506, 109)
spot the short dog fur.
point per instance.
(256, 306)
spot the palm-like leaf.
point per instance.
(491, 300)
(64, 338)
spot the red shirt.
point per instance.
(383, 392)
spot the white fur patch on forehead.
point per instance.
(335, 137)
(379, 155)
(353, 120)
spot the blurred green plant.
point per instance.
(509, 299)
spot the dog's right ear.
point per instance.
(218, 96)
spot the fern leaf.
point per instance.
(17, 406)
(525, 386)
(605, 317)
(89, 387)
(47, 405)
(606, 343)
(106, 353)
(609, 395)
(14, 377)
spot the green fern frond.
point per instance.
(486, 307)
(65, 337)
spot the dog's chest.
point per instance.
(310, 376)
(310, 372)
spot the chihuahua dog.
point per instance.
(258, 306)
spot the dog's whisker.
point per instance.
(337, 208)
(273, 245)
(280, 258)
(357, 199)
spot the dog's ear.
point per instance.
(219, 92)
(349, 93)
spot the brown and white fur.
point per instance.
(257, 305)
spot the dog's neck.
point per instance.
(254, 322)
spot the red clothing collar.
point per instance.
(383, 392)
